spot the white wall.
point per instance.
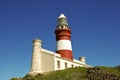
(75, 63)
(49, 61)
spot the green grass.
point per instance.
(110, 70)
(78, 73)
(67, 74)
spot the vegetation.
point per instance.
(16, 79)
(79, 73)
(103, 73)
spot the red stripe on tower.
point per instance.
(63, 38)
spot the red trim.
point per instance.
(63, 37)
(63, 34)
(65, 54)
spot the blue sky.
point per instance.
(95, 26)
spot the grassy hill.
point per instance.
(79, 73)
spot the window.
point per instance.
(58, 64)
(65, 65)
(72, 65)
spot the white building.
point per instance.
(45, 61)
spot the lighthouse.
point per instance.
(44, 61)
(63, 38)
(36, 57)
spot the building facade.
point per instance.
(45, 61)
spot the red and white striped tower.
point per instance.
(63, 38)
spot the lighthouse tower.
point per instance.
(63, 38)
(36, 57)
